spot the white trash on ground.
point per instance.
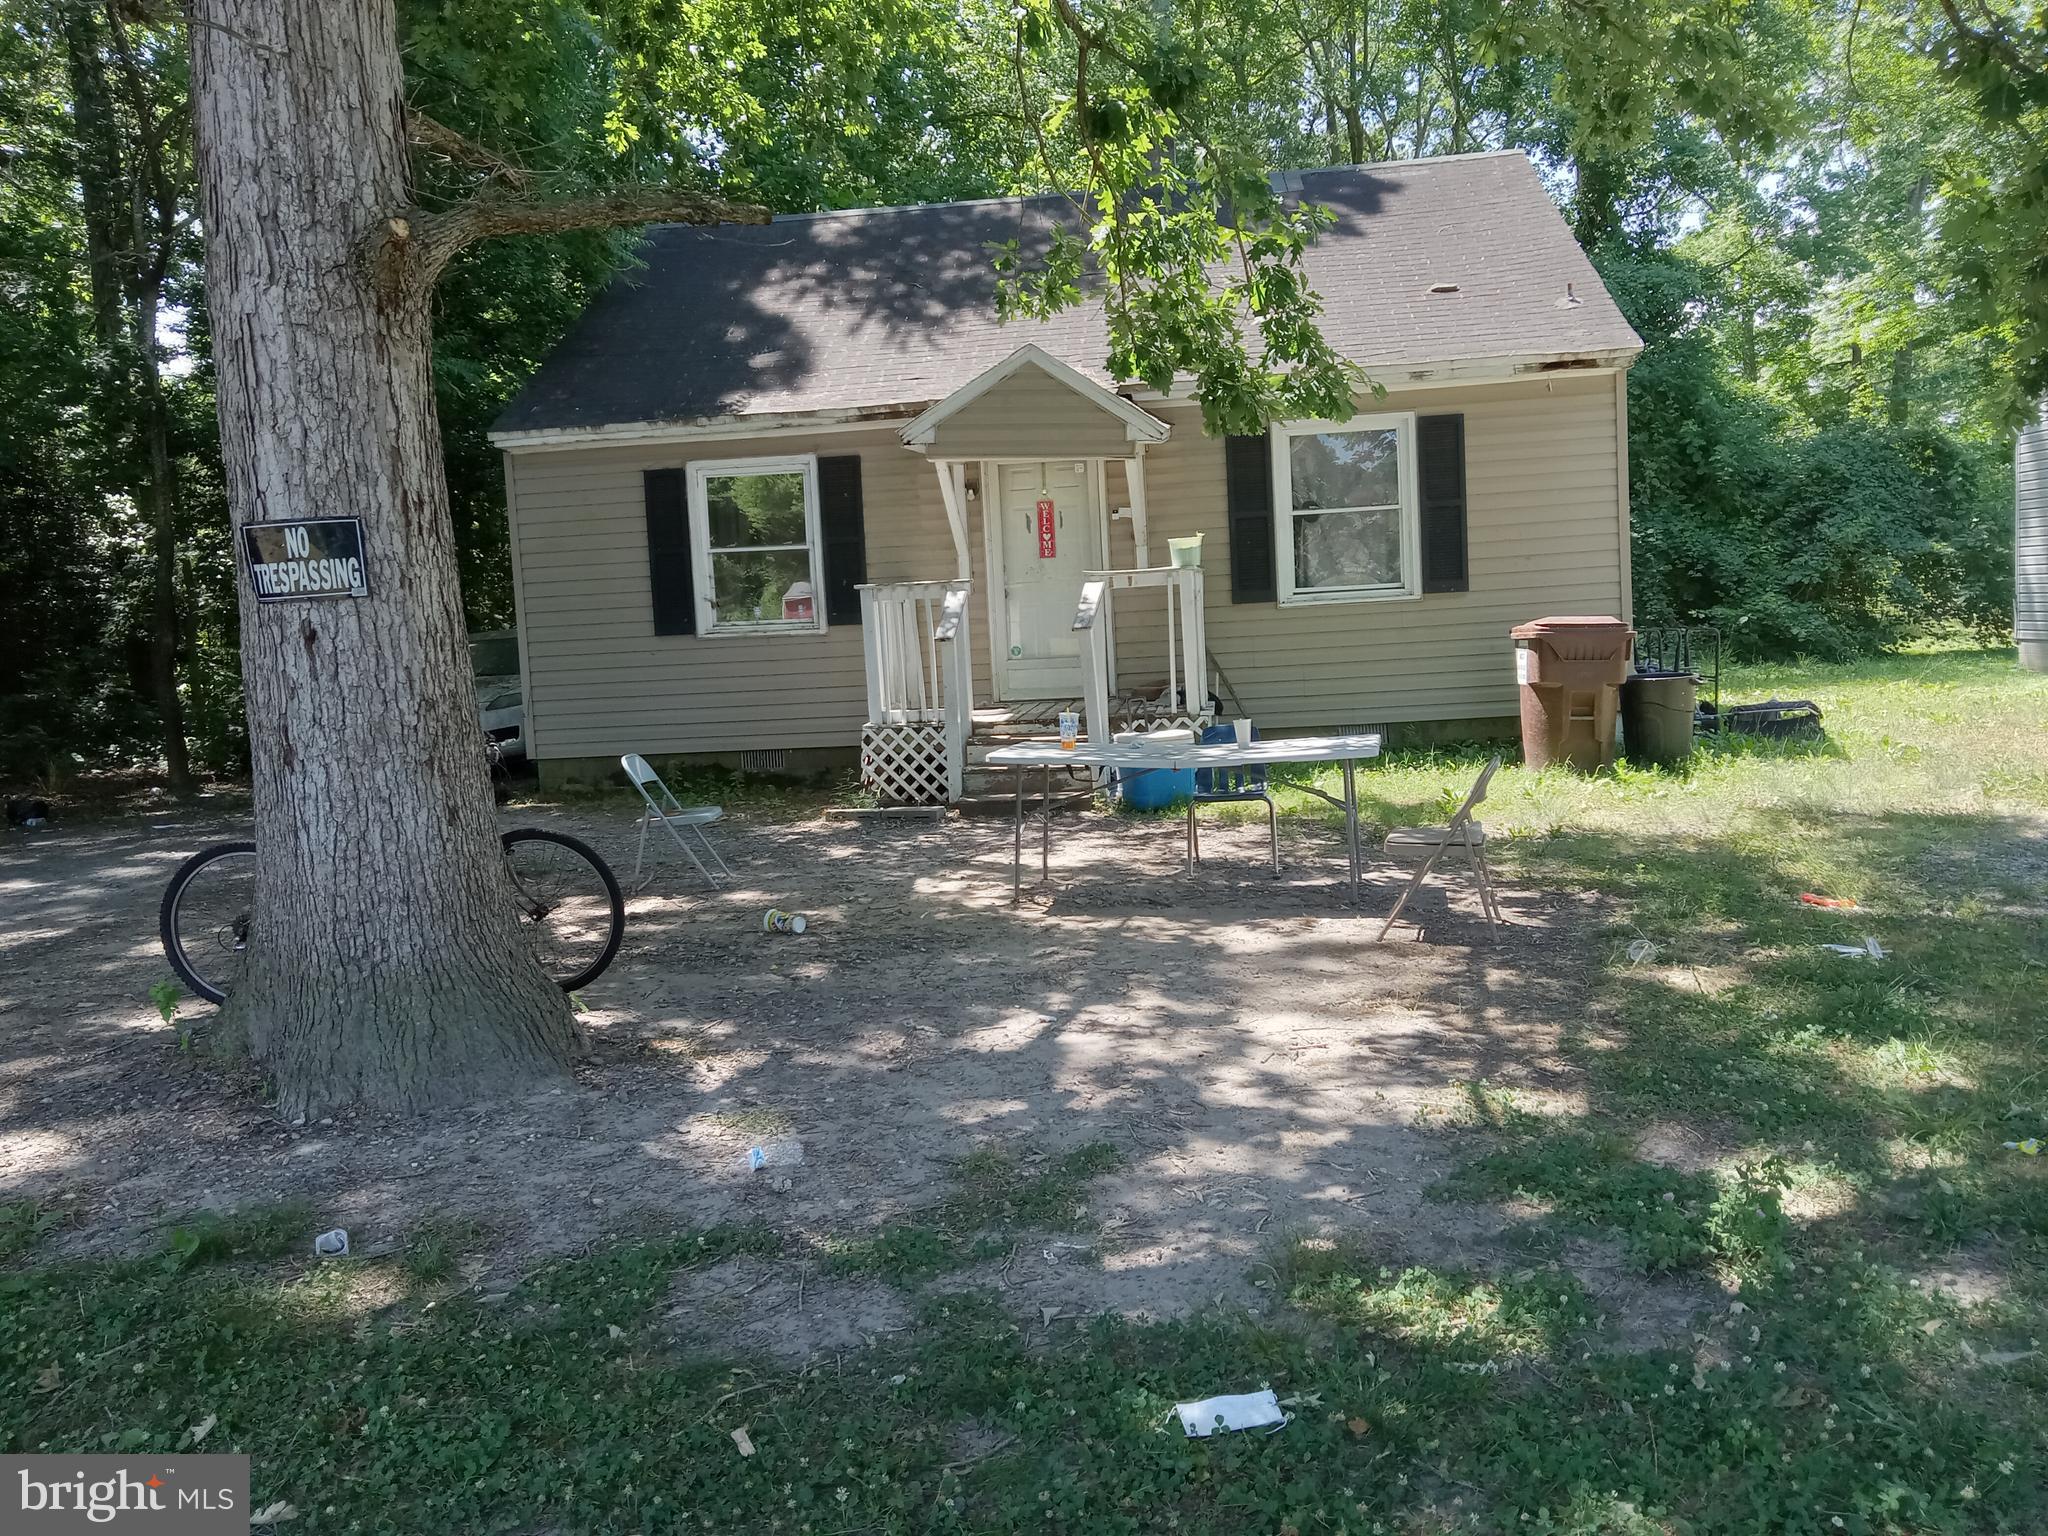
(1869, 949)
(331, 1245)
(787, 1152)
(1246, 1410)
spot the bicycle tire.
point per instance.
(589, 855)
(167, 916)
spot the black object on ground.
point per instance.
(1781, 719)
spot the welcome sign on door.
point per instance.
(1048, 530)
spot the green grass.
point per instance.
(995, 1193)
(1854, 1118)
(23, 1226)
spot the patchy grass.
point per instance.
(220, 1237)
(1422, 1400)
(996, 1192)
(1665, 1219)
(23, 1226)
(1853, 1116)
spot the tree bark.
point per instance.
(385, 965)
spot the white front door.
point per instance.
(1049, 535)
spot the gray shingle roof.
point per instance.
(894, 306)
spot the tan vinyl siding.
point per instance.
(1543, 532)
(1543, 465)
(600, 682)
(1024, 416)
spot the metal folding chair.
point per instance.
(664, 809)
(1215, 786)
(1430, 844)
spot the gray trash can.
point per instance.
(1656, 718)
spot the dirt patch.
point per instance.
(1264, 1068)
(794, 1312)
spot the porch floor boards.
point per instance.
(1044, 714)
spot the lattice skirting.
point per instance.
(905, 764)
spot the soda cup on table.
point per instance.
(1070, 730)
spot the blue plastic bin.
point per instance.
(1154, 789)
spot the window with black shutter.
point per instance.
(668, 552)
(1248, 495)
(1440, 466)
(842, 524)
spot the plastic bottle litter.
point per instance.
(787, 1152)
(1869, 949)
(331, 1245)
(775, 920)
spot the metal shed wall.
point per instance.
(2030, 544)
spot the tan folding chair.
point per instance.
(663, 809)
(1429, 844)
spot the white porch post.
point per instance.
(1134, 484)
(872, 649)
(1195, 616)
(953, 491)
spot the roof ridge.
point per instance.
(1022, 198)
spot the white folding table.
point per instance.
(1347, 750)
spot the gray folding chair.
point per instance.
(1429, 844)
(665, 810)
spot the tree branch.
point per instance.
(438, 138)
(410, 250)
(1992, 40)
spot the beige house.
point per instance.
(788, 492)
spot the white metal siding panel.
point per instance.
(2030, 533)
(600, 682)
(1023, 416)
(1544, 535)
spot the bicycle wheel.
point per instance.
(204, 919)
(568, 904)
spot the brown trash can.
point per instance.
(1570, 669)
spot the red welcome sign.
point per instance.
(1048, 536)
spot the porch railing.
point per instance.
(1187, 641)
(920, 663)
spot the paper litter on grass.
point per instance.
(1246, 1410)
(1869, 949)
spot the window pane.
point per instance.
(1345, 469)
(1347, 549)
(763, 588)
(755, 509)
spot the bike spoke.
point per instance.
(561, 904)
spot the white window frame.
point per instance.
(701, 471)
(1410, 585)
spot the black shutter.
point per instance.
(1248, 493)
(1440, 465)
(668, 552)
(844, 528)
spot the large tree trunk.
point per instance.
(385, 964)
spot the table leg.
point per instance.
(1351, 820)
(1045, 831)
(1017, 852)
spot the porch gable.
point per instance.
(1029, 406)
